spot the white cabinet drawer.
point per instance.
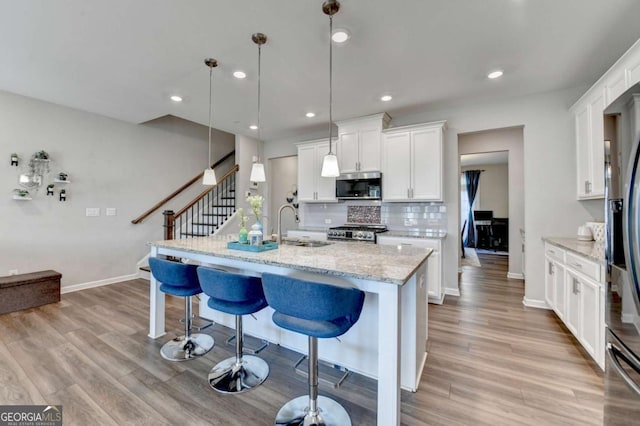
(584, 266)
(554, 252)
(311, 235)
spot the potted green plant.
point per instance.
(14, 159)
(41, 155)
(22, 193)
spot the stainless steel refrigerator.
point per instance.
(622, 204)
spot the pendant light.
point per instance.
(257, 170)
(209, 175)
(330, 163)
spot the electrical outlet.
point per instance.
(92, 211)
(327, 221)
(110, 211)
(248, 194)
(13, 272)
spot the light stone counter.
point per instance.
(428, 233)
(366, 261)
(593, 250)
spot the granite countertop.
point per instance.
(384, 263)
(593, 250)
(427, 233)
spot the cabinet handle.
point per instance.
(577, 265)
(551, 251)
(589, 187)
(586, 186)
(550, 268)
(576, 286)
(408, 192)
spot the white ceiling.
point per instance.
(123, 58)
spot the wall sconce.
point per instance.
(14, 160)
(63, 195)
(50, 189)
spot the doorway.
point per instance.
(491, 197)
(484, 205)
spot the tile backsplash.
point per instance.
(397, 216)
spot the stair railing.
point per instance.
(205, 213)
(195, 179)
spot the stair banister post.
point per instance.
(169, 218)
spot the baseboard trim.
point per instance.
(534, 303)
(515, 276)
(452, 291)
(99, 283)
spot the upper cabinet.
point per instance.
(311, 186)
(412, 163)
(589, 122)
(359, 143)
(589, 133)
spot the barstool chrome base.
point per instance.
(182, 349)
(229, 377)
(295, 413)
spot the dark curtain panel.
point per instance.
(472, 179)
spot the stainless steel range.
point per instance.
(356, 232)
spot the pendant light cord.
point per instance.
(259, 61)
(330, 84)
(210, 113)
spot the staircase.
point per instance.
(206, 214)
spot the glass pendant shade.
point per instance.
(209, 177)
(330, 166)
(257, 173)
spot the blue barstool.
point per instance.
(317, 311)
(237, 295)
(179, 279)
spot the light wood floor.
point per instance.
(491, 361)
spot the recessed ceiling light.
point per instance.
(495, 74)
(340, 36)
(386, 98)
(253, 127)
(310, 114)
(239, 74)
(176, 98)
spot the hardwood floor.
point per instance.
(491, 361)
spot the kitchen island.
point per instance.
(389, 340)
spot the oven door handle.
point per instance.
(616, 355)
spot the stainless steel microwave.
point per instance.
(359, 186)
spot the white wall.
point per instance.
(511, 140)
(284, 175)
(110, 164)
(246, 149)
(550, 202)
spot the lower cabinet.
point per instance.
(574, 289)
(434, 263)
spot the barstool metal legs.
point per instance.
(188, 346)
(240, 373)
(313, 409)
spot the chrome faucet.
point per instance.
(282, 207)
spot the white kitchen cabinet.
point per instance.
(359, 143)
(412, 163)
(574, 288)
(311, 186)
(435, 291)
(589, 133)
(555, 279)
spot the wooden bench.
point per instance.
(26, 291)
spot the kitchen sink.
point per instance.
(306, 243)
